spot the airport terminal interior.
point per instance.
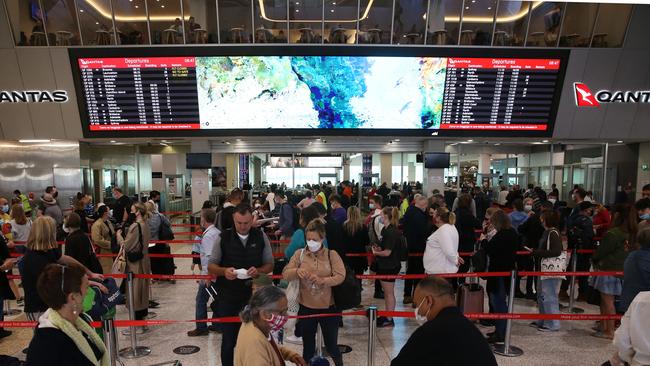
(314, 182)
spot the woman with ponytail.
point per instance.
(387, 255)
(441, 253)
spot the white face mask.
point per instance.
(420, 319)
(313, 245)
(552, 200)
(257, 205)
(243, 237)
(528, 208)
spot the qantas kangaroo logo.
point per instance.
(584, 96)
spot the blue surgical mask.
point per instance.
(5, 208)
(645, 217)
(371, 206)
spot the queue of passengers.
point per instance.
(322, 227)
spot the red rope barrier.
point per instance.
(185, 225)
(176, 213)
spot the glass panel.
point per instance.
(61, 23)
(578, 24)
(306, 21)
(375, 21)
(26, 23)
(512, 19)
(235, 21)
(410, 20)
(96, 22)
(270, 21)
(444, 21)
(340, 21)
(130, 22)
(166, 24)
(478, 19)
(544, 24)
(611, 25)
(201, 25)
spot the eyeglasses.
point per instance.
(63, 267)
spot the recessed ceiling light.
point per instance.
(619, 141)
(297, 10)
(227, 142)
(334, 3)
(497, 144)
(238, 140)
(162, 6)
(470, 140)
(136, 6)
(163, 144)
(34, 141)
(544, 141)
(396, 140)
(332, 10)
(489, 8)
(113, 141)
(467, 8)
(81, 10)
(96, 23)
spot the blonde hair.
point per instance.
(354, 223)
(446, 216)
(150, 207)
(316, 226)
(490, 211)
(142, 209)
(393, 215)
(42, 236)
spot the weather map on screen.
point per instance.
(320, 92)
(397, 94)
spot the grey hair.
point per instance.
(263, 299)
(437, 286)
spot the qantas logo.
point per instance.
(585, 98)
(33, 96)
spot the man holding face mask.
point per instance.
(239, 254)
(442, 325)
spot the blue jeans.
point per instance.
(202, 299)
(548, 302)
(498, 304)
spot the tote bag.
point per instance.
(553, 264)
(292, 291)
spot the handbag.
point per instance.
(292, 291)
(347, 295)
(137, 255)
(553, 264)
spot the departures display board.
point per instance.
(220, 91)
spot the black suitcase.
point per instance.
(162, 266)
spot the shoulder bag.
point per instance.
(136, 255)
(292, 291)
(347, 295)
(553, 264)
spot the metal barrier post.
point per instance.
(134, 351)
(9, 311)
(572, 287)
(372, 334)
(110, 339)
(506, 349)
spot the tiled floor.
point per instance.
(571, 346)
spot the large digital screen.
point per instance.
(325, 91)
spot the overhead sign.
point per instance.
(33, 96)
(585, 98)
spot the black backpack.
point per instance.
(165, 231)
(296, 217)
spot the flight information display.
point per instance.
(374, 95)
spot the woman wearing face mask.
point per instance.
(63, 338)
(387, 257)
(103, 234)
(318, 270)
(265, 313)
(137, 239)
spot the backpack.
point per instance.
(217, 221)
(372, 233)
(165, 230)
(403, 249)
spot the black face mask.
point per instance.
(131, 217)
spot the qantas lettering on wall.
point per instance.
(585, 98)
(33, 96)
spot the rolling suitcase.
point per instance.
(470, 298)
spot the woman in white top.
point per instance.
(441, 253)
(21, 225)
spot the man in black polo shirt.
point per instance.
(122, 206)
(238, 255)
(445, 337)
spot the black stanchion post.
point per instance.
(110, 341)
(572, 289)
(134, 351)
(372, 330)
(506, 349)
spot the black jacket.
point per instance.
(79, 247)
(416, 229)
(334, 234)
(532, 231)
(502, 250)
(580, 232)
(52, 347)
(466, 223)
(438, 342)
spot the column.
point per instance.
(483, 167)
(199, 178)
(386, 169)
(433, 178)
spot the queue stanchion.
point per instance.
(110, 341)
(134, 351)
(505, 348)
(9, 311)
(372, 334)
(572, 286)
